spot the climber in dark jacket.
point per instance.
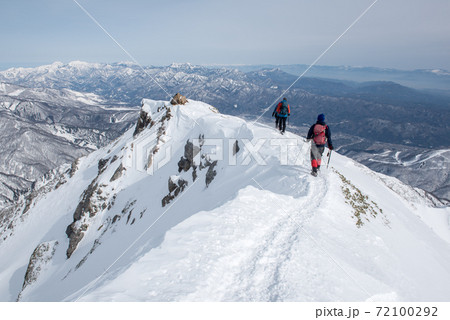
(283, 110)
(321, 135)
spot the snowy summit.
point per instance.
(194, 205)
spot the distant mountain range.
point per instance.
(432, 79)
(399, 120)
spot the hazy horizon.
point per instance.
(4, 67)
(401, 34)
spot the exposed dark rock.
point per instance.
(85, 205)
(172, 185)
(184, 164)
(102, 165)
(41, 255)
(73, 167)
(129, 205)
(181, 185)
(211, 173)
(205, 163)
(165, 201)
(236, 148)
(190, 152)
(112, 202)
(114, 158)
(167, 116)
(118, 173)
(194, 173)
(94, 246)
(161, 131)
(60, 183)
(178, 99)
(201, 140)
(116, 218)
(28, 201)
(144, 120)
(89, 206)
(75, 235)
(175, 187)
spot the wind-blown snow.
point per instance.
(265, 231)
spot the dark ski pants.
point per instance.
(282, 123)
(277, 121)
(316, 155)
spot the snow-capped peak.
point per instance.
(184, 65)
(83, 65)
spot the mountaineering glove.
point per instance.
(330, 147)
(289, 114)
(273, 114)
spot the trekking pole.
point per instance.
(329, 157)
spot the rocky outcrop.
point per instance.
(211, 173)
(11, 215)
(190, 152)
(40, 257)
(102, 165)
(75, 231)
(236, 148)
(172, 185)
(107, 225)
(175, 185)
(75, 234)
(93, 200)
(143, 122)
(73, 167)
(178, 99)
(118, 173)
(114, 158)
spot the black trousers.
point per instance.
(282, 123)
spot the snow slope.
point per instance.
(175, 210)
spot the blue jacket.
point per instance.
(278, 110)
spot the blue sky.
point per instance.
(403, 34)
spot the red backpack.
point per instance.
(319, 134)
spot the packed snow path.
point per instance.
(243, 253)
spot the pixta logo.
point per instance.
(151, 154)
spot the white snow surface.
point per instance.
(264, 229)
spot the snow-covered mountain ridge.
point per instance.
(195, 205)
(395, 118)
